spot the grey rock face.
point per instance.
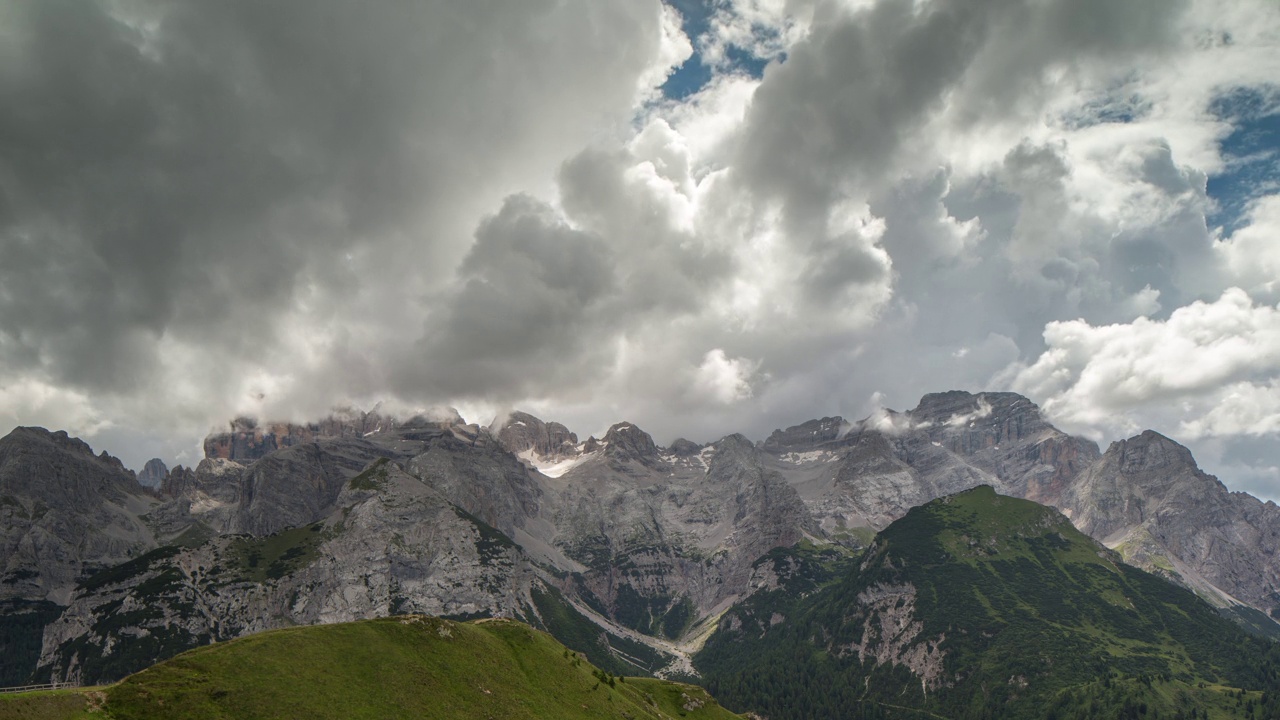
(858, 477)
(210, 494)
(627, 445)
(481, 478)
(177, 481)
(394, 545)
(524, 432)
(297, 485)
(1005, 435)
(153, 474)
(684, 448)
(64, 512)
(662, 539)
(247, 440)
(286, 488)
(1147, 499)
(808, 435)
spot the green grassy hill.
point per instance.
(984, 606)
(410, 667)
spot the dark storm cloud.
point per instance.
(204, 173)
(525, 315)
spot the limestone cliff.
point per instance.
(64, 512)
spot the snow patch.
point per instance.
(799, 458)
(704, 454)
(551, 468)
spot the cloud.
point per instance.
(1251, 254)
(215, 209)
(196, 194)
(1213, 363)
(725, 380)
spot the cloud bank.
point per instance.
(209, 209)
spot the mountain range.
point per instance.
(627, 551)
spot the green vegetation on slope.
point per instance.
(373, 477)
(982, 606)
(143, 619)
(78, 704)
(258, 559)
(606, 650)
(22, 624)
(409, 666)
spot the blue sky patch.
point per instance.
(1252, 153)
(694, 74)
(690, 77)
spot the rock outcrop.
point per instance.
(627, 446)
(659, 538)
(64, 512)
(524, 432)
(1147, 499)
(392, 544)
(247, 440)
(153, 474)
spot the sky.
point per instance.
(700, 216)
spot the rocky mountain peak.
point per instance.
(65, 511)
(440, 417)
(808, 435)
(681, 447)
(153, 474)
(39, 435)
(737, 442)
(177, 481)
(957, 408)
(972, 424)
(248, 440)
(1148, 452)
(1147, 498)
(37, 443)
(626, 442)
(523, 431)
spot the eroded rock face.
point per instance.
(523, 432)
(891, 634)
(481, 478)
(298, 485)
(64, 512)
(663, 538)
(859, 477)
(1146, 498)
(153, 474)
(392, 545)
(1005, 435)
(627, 445)
(248, 440)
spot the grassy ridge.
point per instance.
(409, 666)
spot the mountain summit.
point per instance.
(981, 605)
